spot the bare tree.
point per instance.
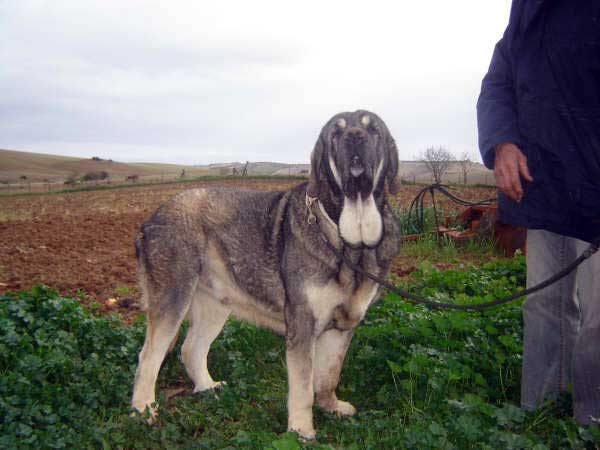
(437, 160)
(466, 163)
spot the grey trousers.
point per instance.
(561, 342)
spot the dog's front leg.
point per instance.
(300, 351)
(330, 351)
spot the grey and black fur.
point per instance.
(208, 253)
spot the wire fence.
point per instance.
(8, 188)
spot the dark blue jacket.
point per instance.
(542, 92)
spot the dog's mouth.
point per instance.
(356, 167)
(357, 178)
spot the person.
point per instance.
(539, 130)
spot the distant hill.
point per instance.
(263, 168)
(37, 167)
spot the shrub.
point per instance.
(92, 176)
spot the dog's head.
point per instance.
(354, 157)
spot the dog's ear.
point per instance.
(392, 176)
(315, 168)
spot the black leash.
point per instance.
(418, 203)
(593, 248)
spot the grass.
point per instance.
(441, 248)
(420, 379)
(444, 250)
(409, 224)
(123, 290)
(5, 216)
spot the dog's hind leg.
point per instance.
(330, 352)
(207, 317)
(165, 314)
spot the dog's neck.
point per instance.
(331, 199)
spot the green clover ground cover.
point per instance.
(420, 379)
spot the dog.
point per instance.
(262, 256)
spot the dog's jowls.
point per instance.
(209, 253)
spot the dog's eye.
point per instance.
(372, 129)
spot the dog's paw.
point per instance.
(209, 386)
(344, 408)
(302, 424)
(149, 413)
(306, 434)
(334, 406)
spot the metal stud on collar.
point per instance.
(309, 202)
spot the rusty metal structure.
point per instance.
(478, 220)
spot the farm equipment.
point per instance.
(478, 220)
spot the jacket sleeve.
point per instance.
(496, 107)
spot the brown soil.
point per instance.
(82, 243)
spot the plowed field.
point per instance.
(81, 243)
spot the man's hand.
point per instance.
(510, 165)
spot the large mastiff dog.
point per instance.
(261, 256)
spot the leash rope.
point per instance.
(593, 248)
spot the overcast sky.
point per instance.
(197, 82)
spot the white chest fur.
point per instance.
(332, 301)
